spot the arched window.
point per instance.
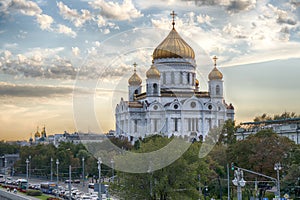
(188, 78)
(217, 90)
(164, 77)
(155, 90)
(181, 77)
(136, 91)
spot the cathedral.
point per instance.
(172, 104)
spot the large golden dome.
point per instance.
(215, 74)
(153, 72)
(173, 46)
(135, 79)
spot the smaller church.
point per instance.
(173, 103)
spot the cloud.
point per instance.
(112, 10)
(41, 63)
(29, 8)
(65, 30)
(204, 19)
(44, 21)
(282, 16)
(73, 15)
(75, 51)
(13, 90)
(240, 5)
(232, 6)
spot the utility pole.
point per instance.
(82, 171)
(228, 183)
(70, 178)
(51, 172)
(239, 182)
(199, 178)
(99, 171)
(278, 167)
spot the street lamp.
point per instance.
(83, 171)
(278, 167)
(112, 169)
(199, 179)
(29, 173)
(239, 182)
(205, 191)
(57, 163)
(51, 172)
(27, 162)
(5, 162)
(99, 171)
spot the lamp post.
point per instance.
(112, 169)
(205, 191)
(239, 182)
(27, 162)
(5, 162)
(99, 171)
(29, 173)
(70, 178)
(277, 167)
(83, 171)
(199, 179)
(51, 172)
(57, 163)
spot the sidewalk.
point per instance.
(12, 196)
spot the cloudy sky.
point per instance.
(50, 48)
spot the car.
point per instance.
(67, 181)
(76, 181)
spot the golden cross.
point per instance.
(215, 60)
(134, 65)
(173, 14)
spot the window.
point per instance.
(217, 90)
(172, 78)
(155, 125)
(175, 106)
(176, 124)
(155, 90)
(164, 78)
(136, 91)
(188, 78)
(189, 124)
(181, 77)
(135, 125)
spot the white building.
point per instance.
(283, 127)
(172, 103)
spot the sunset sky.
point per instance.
(50, 48)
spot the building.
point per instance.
(283, 127)
(7, 162)
(172, 103)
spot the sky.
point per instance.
(63, 62)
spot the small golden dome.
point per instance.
(37, 134)
(196, 82)
(153, 72)
(173, 46)
(135, 80)
(215, 74)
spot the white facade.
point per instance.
(172, 103)
(289, 128)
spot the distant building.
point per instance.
(7, 162)
(284, 127)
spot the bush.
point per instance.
(34, 193)
(53, 198)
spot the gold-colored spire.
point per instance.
(134, 65)
(134, 79)
(37, 134)
(215, 60)
(215, 74)
(173, 14)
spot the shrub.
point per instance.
(34, 193)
